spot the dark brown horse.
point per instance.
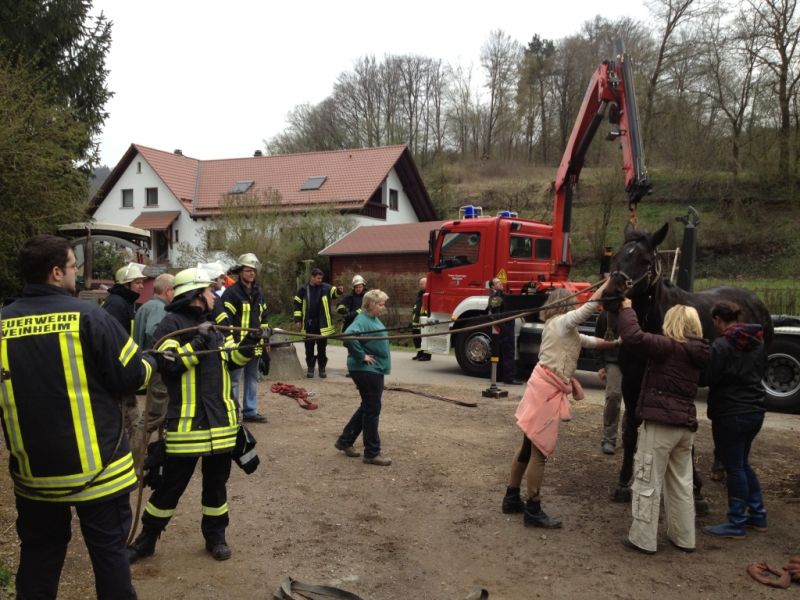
(637, 272)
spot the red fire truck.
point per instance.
(531, 257)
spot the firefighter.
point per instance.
(244, 304)
(505, 337)
(312, 314)
(416, 316)
(64, 364)
(121, 304)
(202, 419)
(349, 307)
(122, 296)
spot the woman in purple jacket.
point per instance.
(669, 421)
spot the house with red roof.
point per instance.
(177, 198)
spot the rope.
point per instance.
(298, 393)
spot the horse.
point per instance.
(636, 272)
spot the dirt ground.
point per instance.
(430, 526)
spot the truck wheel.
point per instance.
(473, 352)
(782, 380)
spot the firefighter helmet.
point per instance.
(359, 280)
(191, 279)
(214, 269)
(130, 272)
(248, 260)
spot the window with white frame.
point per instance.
(127, 198)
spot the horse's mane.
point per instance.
(637, 236)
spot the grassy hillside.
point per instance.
(748, 228)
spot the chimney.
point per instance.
(258, 153)
(178, 151)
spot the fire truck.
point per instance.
(532, 257)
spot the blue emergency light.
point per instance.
(470, 212)
(508, 213)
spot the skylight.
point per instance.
(313, 183)
(240, 187)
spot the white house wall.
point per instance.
(404, 213)
(112, 211)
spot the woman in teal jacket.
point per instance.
(367, 361)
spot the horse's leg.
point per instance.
(700, 503)
(631, 385)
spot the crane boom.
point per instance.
(611, 95)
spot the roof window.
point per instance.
(313, 183)
(240, 187)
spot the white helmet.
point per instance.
(359, 280)
(248, 260)
(214, 269)
(191, 279)
(129, 272)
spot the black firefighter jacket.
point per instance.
(120, 304)
(243, 308)
(66, 362)
(202, 416)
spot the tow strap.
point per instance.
(779, 578)
(298, 393)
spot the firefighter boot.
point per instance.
(536, 517)
(512, 501)
(734, 528)
(310, 362)
(219, 550)
(144, 545)
(323, 362)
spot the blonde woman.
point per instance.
(669, 421)
(545, 401)
(367, 362)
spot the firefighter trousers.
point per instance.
(44, 530)
(178, 470)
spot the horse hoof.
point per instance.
(622, 493)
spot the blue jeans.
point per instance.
(365, 419)
(250, 371)
(733, 436)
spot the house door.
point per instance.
(160, 243)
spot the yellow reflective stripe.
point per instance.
(148, 372)
(327, 311)
(118, 477)
(170, 343)
(202, 441)
(80, 403)
(188, 401)
(231, 308)
(18, 327)
(150, 509)
(189, 360)
(128, 351)
(239, 358)
(227, 394)
(11, 416)
(211, 511)
(221, 318)
(245, 322)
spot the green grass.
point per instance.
(6, 581)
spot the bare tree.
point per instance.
(779, 27)
(499, 57)
(671, 14)
(729, 54)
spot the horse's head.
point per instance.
(635, 267)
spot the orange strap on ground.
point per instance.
(298, 393)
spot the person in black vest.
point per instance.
(122, 296)
(312, 314)
(60, 383)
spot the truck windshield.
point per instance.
(462, 248)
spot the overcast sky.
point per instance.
(215, 79)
